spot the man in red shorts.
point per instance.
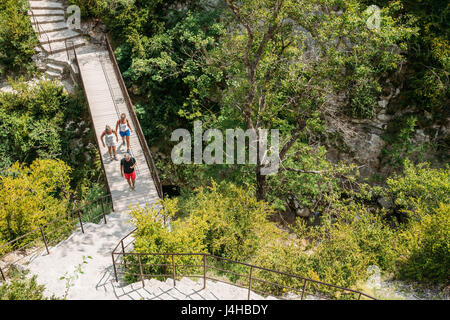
(127, 165)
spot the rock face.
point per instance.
(361, 139)
(94, 29)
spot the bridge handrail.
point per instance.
(204, 256)
(77, 212)
(135, 120)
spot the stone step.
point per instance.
(58, 36)
(189, 282)
(194, 290)
(42, 20)
(46, 12)
(55, 68)
(60, 46)
(53, 75)
(225, 291)
(59, 58)
(50, 27)
(45, 5)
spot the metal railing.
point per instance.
(69, 59)
(133, 265)
(54, 231)
(135, 120)
(40, 30)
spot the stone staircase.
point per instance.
(97, 281)
(185, 289)
(48, 21)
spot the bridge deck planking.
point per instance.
(93, 63)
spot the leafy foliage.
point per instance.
(32, 196)
(419, 184)
(31, 118)
(222, 220)
(426, 257)
(17, 37)
(40, 120)
(237, 224)
(22, 288)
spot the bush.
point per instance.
(17, 37)
(223, 220)
(426, 254)
(32, 120)
(236, 223)
(337, 252)
(420, 182)
(22, 288)
(153, 236)
(32, 196)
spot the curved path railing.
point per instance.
(41, 238)
(131, 265)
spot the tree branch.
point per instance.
(303, 171)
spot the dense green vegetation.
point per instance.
(22, 288)
(424, 80)
(308, 68)
(17, 37)
(32, 196)
(42, 121)
(276, 64)
(227, 221)
(48, 162)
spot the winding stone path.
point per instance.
(97, 281)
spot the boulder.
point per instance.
(303, 212)
(385, 203)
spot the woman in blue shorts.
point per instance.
(125, 130)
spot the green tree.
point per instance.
(288, 65)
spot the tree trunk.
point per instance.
(261, 185)
(261, 181)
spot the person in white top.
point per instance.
(110, 142)
(125, 130)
